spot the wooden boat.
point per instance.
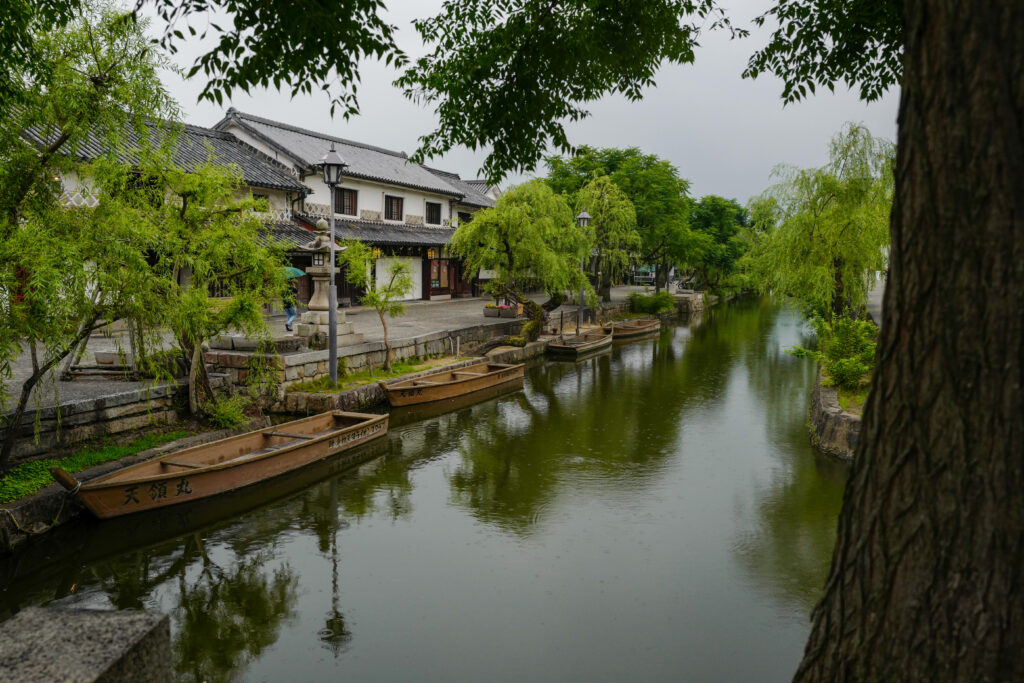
(580, 345)
(403, 415)
(632, 329)
(450, 383)
(225, 465)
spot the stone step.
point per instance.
(309, 329)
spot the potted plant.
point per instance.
(491, 311)
(506, 311)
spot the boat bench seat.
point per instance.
(425, 382)
(179, 463)
(469, 372)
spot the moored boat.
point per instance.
(224, 465)
(580, 345)
(452, 383)
(631, 329)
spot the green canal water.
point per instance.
(655, 513)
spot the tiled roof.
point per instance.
(290, 232)
(473, 191)
(307, 147)
(374, 232)
(258, 170)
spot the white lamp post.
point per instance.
(333, 167)
(581, 220)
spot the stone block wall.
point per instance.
(75, 421)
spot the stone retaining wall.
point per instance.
(833, 430)
(372, 394)
(308, 365)
(77, 421)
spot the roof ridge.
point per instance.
(312, 133)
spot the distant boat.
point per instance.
(580, 345)
(446, 384)
(224, 465)
(631, 329)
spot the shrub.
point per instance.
(846, 350)
(651, 303)
(227, 412)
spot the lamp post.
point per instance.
(581, 220)
(333, 166)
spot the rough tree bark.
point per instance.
(927, 578)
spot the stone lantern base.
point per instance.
(312, 322)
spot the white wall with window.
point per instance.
(385, 264)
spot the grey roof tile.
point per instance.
(258, 170)
(307, 147)
(374, 232)
(473, 191)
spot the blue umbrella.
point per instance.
(292, 271)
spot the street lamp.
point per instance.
(333, 167)
(581, 220)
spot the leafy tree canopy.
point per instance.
(504, 74)
(529, 237)
(612, 230)
(718, 221)
(659, 196)
(822, 232)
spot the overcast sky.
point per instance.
(723, 132)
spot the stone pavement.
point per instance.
(421, 317)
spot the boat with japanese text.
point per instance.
(451, 383)
(225, 465)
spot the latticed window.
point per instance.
(433, 213)
(346, 201)
(392, 208)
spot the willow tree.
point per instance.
(612, 229)
(823, 232)
(530, 240)
(64, 272)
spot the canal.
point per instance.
(651, 514)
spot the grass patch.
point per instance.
(852, 400)
(361, 377)
(27, 478)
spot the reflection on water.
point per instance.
(653, 513)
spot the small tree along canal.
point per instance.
(652, 514)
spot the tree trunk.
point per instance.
(926, 581)
(39, 371)
(387, 343)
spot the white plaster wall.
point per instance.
(371, 197)
(245, 137)
(384, 265)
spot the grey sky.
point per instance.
(723, 132)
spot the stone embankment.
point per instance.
(833, 430)
(372, 394)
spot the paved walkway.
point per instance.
(875, 297)
(421, 317)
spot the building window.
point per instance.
(433, 213)
(345, 201)
(464, 217)
(392, 208)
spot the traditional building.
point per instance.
(403, 209)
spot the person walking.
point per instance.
(289, 299)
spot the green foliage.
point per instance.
(612, 229)
(529, 236)
(651, 303)
(382, 295)
(659, 196)
(846, 350)
(821, 233)
(719, 223)
(27, 478)
(825, 42)
(227, 412)
(509, 75)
